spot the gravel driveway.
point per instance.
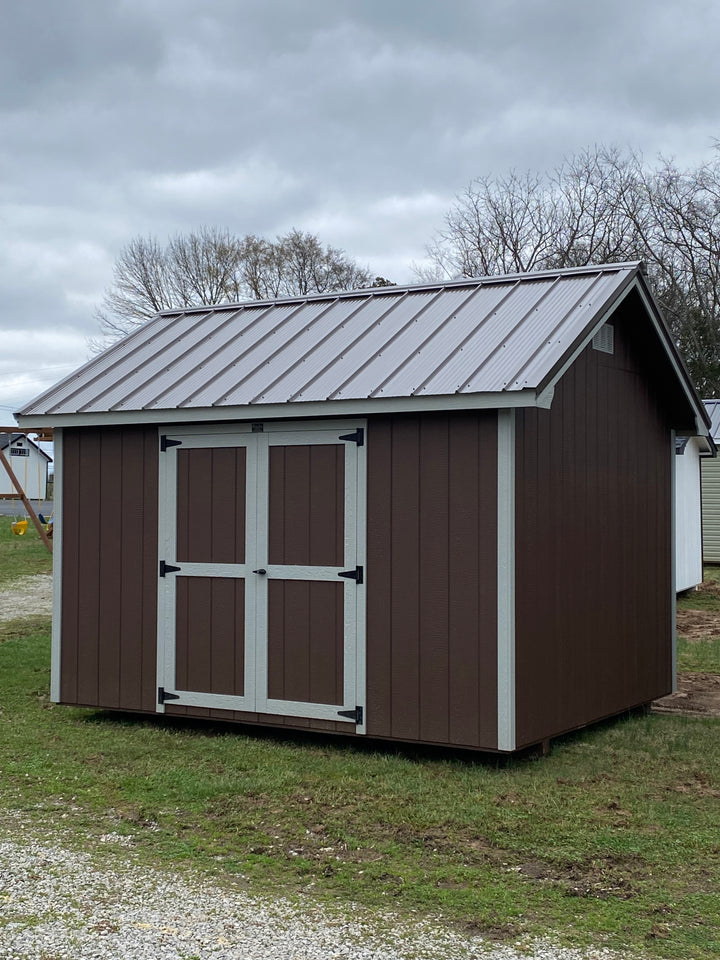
(60, 904)
(64, 905)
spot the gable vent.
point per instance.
(604, 339)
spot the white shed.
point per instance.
(711, 492)
(29, 464)
(689, 453)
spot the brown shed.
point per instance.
(439, 513)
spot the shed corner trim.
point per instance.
(506, 581)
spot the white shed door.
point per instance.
(261, 596)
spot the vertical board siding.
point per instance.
(593, 546)
(110, 564)
(210, 635)
(305, 641)
(211, 505)
(307, 505)
(432, 578)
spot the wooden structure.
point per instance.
(437, 514)
(17, 440)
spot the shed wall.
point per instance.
(110, 568)
(431, 577)
(711, 509)
(594, 549)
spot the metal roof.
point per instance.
(498, 338)
(713, 409)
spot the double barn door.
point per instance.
(261, 596)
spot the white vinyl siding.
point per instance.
(711, 510)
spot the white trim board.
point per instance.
(504, 399)
(57, 541)
(506, 581)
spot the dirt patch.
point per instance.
(698, 625)
(26, 597)
(599, 878)
(698, 695)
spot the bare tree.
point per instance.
(602, 206)
(212, 266)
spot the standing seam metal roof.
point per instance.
(489, 335)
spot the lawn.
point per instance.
(21, 556)
(611, 839)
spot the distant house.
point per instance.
(439, 513)
(29, 464)
(711, 492)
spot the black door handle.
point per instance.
(261, 570)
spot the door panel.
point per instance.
(211, 493)
(306, 505)
(210, 635)
(306, 641)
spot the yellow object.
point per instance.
(19, 527)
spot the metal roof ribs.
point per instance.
(363, 333)
(183, 337)
(469, 378)
(386, 344)
(433, 333)
(221, 349)
(584, 295)
(463, 343)
(270, 356)
(312, 349)
(269, 386)
(175, 360)
(102, 364)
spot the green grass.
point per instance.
(611, 839)
(700, 656)
(21, 556)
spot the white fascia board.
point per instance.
(282, 411)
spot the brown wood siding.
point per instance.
(307, 505)
(593, 545)
(305, 641)
(431, 578)
(211, 505)
(210, 635)
(110, 567)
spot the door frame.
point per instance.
(257, 438)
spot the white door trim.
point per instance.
(257, 440)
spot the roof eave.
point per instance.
(505, 399)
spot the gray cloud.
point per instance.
(357, 121)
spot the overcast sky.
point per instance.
(358, 120)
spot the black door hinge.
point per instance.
(164, 695)
(355, 715)
(358, 437)
(167, 568)
(356, 574)
(166, 442)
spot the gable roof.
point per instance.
(7, 438)
(492, 341)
